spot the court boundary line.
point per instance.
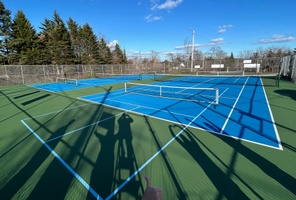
(92, 124)
(272, 118)
(56, 155)
(150, 108)
(231, 111)
(195, 127)
(156, 154)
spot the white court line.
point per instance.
(57, 111)
(232, 109)
(80, 179)
(92, 124)
(156, 154)
(272, 119)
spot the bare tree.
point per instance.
(217, 53)
(246, 54)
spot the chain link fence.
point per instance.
(28, 74)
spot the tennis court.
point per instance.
(78, 142)
(65, 84)
(240, 104)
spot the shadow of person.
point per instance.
(125, 136)
(126, 163)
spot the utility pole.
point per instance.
(192, 49)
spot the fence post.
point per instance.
(44, 73)
(22, 73)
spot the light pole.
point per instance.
(192, 49)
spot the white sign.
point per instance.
(247, 61)
(197, 66)
(217, 66)
(251, 65)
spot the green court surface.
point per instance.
(56, 146)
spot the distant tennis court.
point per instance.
(65, 84)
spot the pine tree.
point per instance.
(89, 45)
(104, 52)
(57, 40)
(124, 58)
(5, 33)
(117, 55)
(23, 41)
(74, 30)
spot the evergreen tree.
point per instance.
(45, 39)
(124, 58)
(57, 40)
(74, 30)
(5, 33)
(117, 55)
(89, 45)
(23, 41)
(231, 56)
(104, 52)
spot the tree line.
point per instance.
(58, 42)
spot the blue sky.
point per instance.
(162, 25)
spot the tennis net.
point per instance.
(119, 76)
(67, 81)
(204, 95)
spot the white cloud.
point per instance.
(152, 18)
(222, 30)
(158, 5)
(169, 4)
(112, 43)
(186, 46)
(217, 40)
(213, 42)
(225, 26)
(276, 39)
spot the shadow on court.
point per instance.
(225, 186)
(126, 161)
(44, 176)
(116, 159)
(19, 179)
(179, 189)
(287, 93)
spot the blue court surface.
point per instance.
(88, 83)
(243, 111)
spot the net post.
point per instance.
(217, 97)
(160, 91)
(125, 87)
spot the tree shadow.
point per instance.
(178, 187)
(47, 180)
(287, 93)
(269, 168)
(56, 179)
(14, 184)
(103, 169)
(226, 187)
